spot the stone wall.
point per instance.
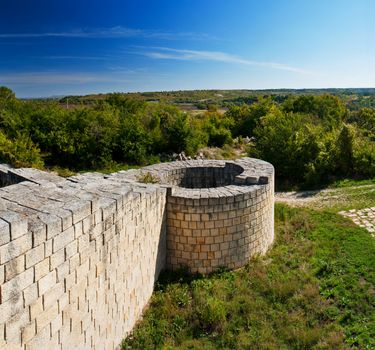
(78, 262)
(220, 213)
(79, 256)
(220, 228)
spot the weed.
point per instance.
(148, 178)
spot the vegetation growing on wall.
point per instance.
(310, 139)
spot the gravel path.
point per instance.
(362, 217)
(318, 198)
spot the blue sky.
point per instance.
(50, 47)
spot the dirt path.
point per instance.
(339, 197)
(320, 198)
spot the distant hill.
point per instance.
(201, 99)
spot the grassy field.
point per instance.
(313, 290)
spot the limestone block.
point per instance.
(18, 224)
(4, 232)
(34, 256)
(14, 267)
(62, 239)
(15, 248)
(14, 287)
(80, 210)
(47, 282)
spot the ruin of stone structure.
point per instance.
(79, 256)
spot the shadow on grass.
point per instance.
(183, 276)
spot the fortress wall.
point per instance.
(77, 274)
(79, 256)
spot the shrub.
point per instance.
(20, 152)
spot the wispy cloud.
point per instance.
(32, 78)
(111, 32)
(166, 53)
(68, 57)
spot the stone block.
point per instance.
(4, 232)
(62, 239)
(42, 269)
(14, 267)
(57, 258)
(47, 282)
(15, 325)
(28, 332)
(80, 209)
(45, 317)
(14, 287)
(34, 256)
(15, 248)
(30, 294)
(18, 224)
(10, 307)
(53, 224)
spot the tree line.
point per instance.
(310, 139)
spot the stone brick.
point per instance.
(39, 232)
(71, 249)
(78, 229)
(36, 308)
(51, 296)
(80, 210)
(45, 317)
(61, 240)
(53, 224)
(14, 267)
(65, 216)
(18, 224)
(15, 248)
(74, 261)
(56, 323)
(10, 307)
(30, 294)
(40, 341)
(34, 256)
(62, 271)
(57, 258)
(2, 336)
(15, 325)
(41, 269)
(28, 332)
(46, 282)
(4, 232)
(15, 286)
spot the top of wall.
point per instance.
(32, 199)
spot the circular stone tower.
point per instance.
(219, 213)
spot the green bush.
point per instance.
(20, 152)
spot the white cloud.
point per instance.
(111, 32)
(167, 53)
(31, 78)
(94, 58)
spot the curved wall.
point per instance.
(79, 256)
(220, 213)
(222, 228)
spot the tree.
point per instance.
(6, 93)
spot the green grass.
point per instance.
(313, 290)
(350, 183)
(348, 198)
